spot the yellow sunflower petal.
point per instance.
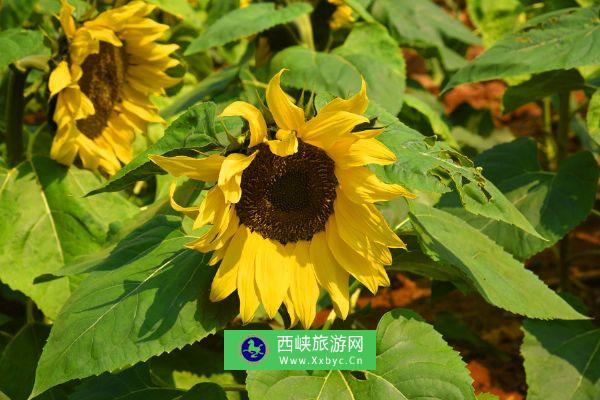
(286, 143)
(289, 305)
(256, 121)
(60, 78)
(201, 169)
(272, 274)
(225, 280)
(191, 212)
(366, 218)
(328, 127)
(213, 201)
(355, 153)
(304, 289)
(360, 267)
(246, 283)
(361, 185)
(285, 113)
(66, 19)
(230, 176)
(357, 104)
(330, 274)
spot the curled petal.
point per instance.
(285, 113)
(256, 121)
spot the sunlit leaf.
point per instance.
(143, 300)
(46, 222)
(494, 273)
(570, 36)
(413, 362)
(247, 21)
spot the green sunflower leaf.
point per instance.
(424, 25)
(46, 222)
(593, 117)
(368, 51)
(179, 8)
(409, 353)
(569, 35)
(373, 52)
(19, 360)
(13, 13)
(243, 22)
(196, 129)
(495, 274)
(17, 44)
(554, 203)
(425, 167)
(495, 18)
(540, 86)
(143, 300)
(130, 384)
(562, 359)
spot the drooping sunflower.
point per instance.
(103, 85)
(294, 212)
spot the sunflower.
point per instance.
(295, 211)
(103, 86)
(342, 14)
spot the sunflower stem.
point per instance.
(233, 387)
(13, 116)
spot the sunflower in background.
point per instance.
(342, 14)
(295, 210)
(103, 86)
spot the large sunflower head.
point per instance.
(294, 211)
(103, 86)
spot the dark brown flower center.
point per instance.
(103, 75)
(288, 198)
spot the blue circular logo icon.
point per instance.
(253, 349)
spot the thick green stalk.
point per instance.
(13, 117)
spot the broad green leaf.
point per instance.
(387, 75)
(554, 203)
(180, 9)
(415, 261)
(181, 368)
(205, 391)
(438, 125)
(46, 222)
(214, 83)
(413, 362)
(19, 360)
(143, 300)
(13, 13)
(494, 18)
(316, 71)
(570, 36)
(494, 273)
(593, 117)
(246, 21)
(131, 383)
(540, 86)
(339, 72)
(424, 25)
(420, 166)
(194, 130)
(17, 44)
(562, 360)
